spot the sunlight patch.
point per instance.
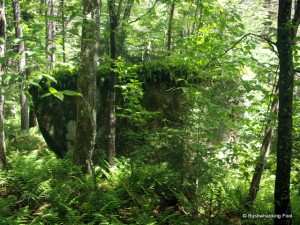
(248, 74)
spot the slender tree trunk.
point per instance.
(50, 33)
(127, 10)
(264, 154)
(122, 30)
(86, 106)
(170, 27)
(285, 120)
(32, 115)
(197, 10)
(3, 162)
(21, 64)
(113, 16)
(63, 30)
(199, 24)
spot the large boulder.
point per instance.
(56, 118)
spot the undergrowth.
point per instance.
(41, 189)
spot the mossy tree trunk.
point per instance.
(3, 162)
(86, 105)
(285, 32)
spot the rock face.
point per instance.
(57, 118)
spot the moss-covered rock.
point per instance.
(57, 118)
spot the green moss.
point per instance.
(157, 77)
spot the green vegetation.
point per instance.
(41, 189)
(151, 112)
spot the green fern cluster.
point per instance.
(41, 189)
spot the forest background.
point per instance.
(149, 112)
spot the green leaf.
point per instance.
(49, 77)
(59, 95)
(38, 78)
(55, 93)
(71, 93)
(29, 53)
(52, 90)
(36, 84)
(3, 86)
(58, 41)
(3, 60)
(74, 31)
(15, 40)
(46, 95)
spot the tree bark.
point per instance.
(3, 161)
(50, 33)
(285, 120)
(170, 26)
(21, 64)
(113, 16)
(123, 33)
(86, 106)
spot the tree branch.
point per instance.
(296, 20)
(148, 12)
(297, 70)
(271, 43)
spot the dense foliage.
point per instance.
(186, 92)
(41, 189)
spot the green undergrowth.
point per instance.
(41, 189)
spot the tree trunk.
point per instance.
(63, 22)
(285, 120)
(113, 16)
(122, 31)
(264, 154)
(86, 106)
(170, 26)
(3, 162)
(198, 13)
(50, 33)
(269, 130)
(21, 64)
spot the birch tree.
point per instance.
(3, 162)
(21, 64)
